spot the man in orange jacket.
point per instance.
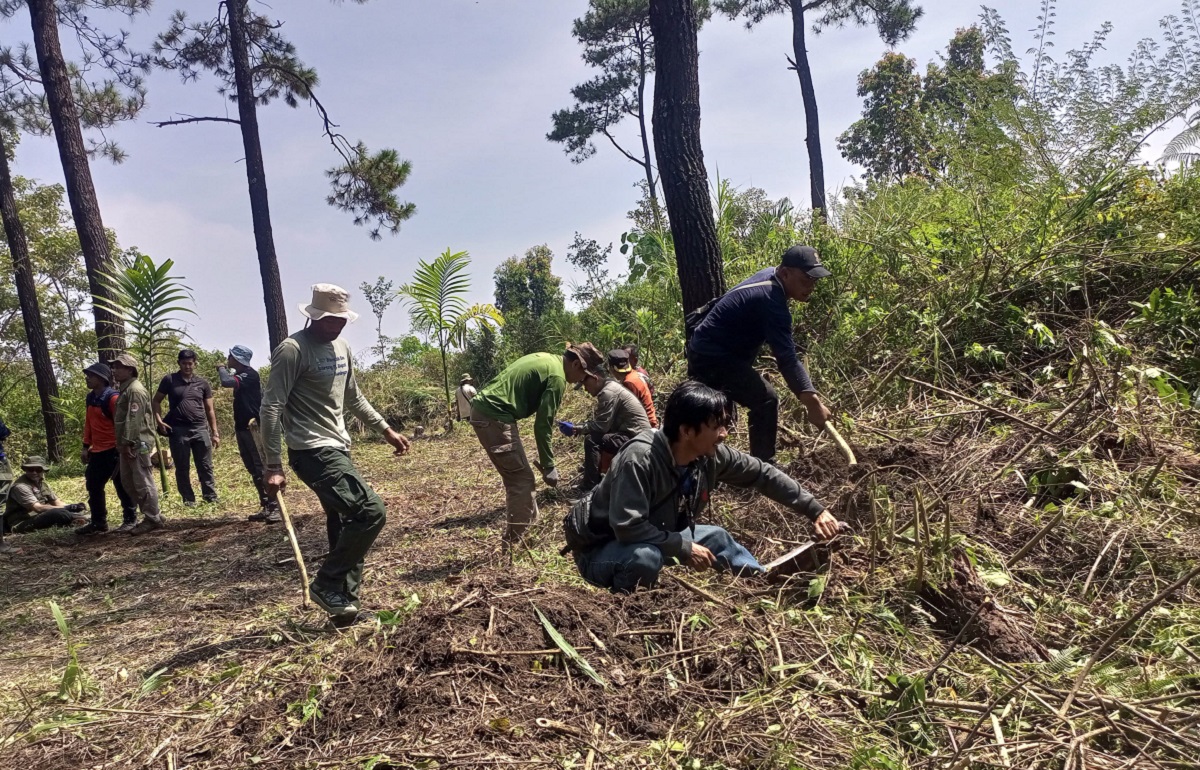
(100, 453)
(624, 373)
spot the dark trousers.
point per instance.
(188, 442)
(747, 388)
(101, 467)
(55, 517)
(354, 514)
(253, 463)
(595, 445)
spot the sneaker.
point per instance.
(336, 603)
(189, 503)
(126, 527)
(266, 516)
(91, 529)
(148, 524)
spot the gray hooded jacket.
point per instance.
(643, 475)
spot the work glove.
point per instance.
(551, 478)
(76, 508)
(567, 428)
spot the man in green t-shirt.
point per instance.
(310, 388)
(532, 385)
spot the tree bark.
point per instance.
(681, 169)
(816, 166)
(39, 351)
(256, 175)
(648, 159)
(81, 192)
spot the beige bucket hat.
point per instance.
(329, 300)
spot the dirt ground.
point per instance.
(191, 649)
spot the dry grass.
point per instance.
(196, 654)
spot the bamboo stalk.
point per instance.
(287, 519)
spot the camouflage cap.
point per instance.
(126, 360)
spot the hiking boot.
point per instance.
(126, 527)
(266, 516)
(148, 524)
(91, 529)
(336, 603)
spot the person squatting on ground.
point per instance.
(463, 395)
(643, 513)
(621, 369)
(247, 399)
(32, 505)
(133, 423)
(190, 426)
(533, 384)
(99, 455)
(722, 348)
(312, 385)
(619, 416)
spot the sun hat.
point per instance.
(328, 300)
(101, 370)
(241, 354)
(126, 360)
(34, 462)
(465, 378)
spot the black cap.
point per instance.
(805, 258)
(619, 359)
(101, 370)
(186, 354)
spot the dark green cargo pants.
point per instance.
(354, 514)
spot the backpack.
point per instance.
(581, 535)
(692, 321)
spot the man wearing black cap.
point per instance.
(191, 426)
(99, 454)
(722, 349)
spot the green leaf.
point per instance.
(571, 653)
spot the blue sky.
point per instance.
(465, 90)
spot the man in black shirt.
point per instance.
(191, 426)
(247, 398)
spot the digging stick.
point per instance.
(841, 442)
(287, 519)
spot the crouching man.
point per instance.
(618, 418)
(643, 513)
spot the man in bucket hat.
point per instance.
(134, 425)
(312, 385)
(99, 455)
(533, 384)
(729, 331)
(463, 395)
(247, 399)
(33, 505)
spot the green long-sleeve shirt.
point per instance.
(133, 418)
(532, 384)
(312, 383)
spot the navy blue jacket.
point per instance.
(743, 319)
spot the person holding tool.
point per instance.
(643, 514)
(725, 335)
(312, 386)
(619, 416)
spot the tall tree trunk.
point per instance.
(256, 175)
(647, 158)
(816, 166)
(85, 209)
(680, 158)
(39, 351)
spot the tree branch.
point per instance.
(193, 119)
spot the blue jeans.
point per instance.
(622, 567)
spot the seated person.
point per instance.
(619, 416)
(33, 505)
(643, 513)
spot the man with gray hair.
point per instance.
(312, 384)
(238, 374)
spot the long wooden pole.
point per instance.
(287, 520)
